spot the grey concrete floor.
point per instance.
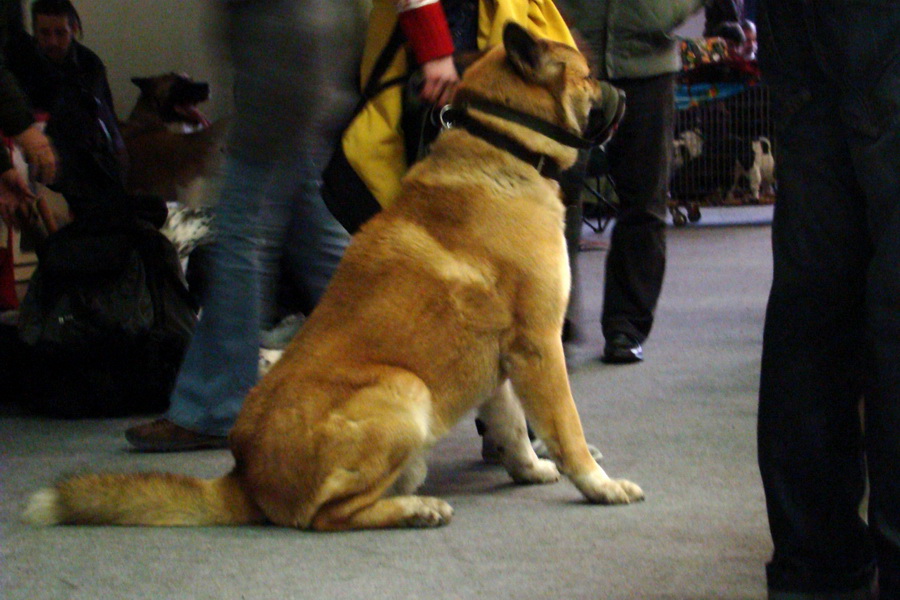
(681, 424)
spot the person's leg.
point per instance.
(872, 105)
(269, 45)
(315, 241)
(276, 213)
(221, 362)
(639, 166)
(317, 244)
(809, 435)
(882, 397)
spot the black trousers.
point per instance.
(832, 331)
(639, 157)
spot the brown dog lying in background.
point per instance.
(451, 299)
(171, 145)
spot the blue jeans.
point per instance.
(295, 66)
(832, 331)
(258, 211)
(300, 243)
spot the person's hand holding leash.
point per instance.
(441, 80)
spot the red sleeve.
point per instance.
(425, 27)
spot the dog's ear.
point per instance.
(528, 55)
(522, 49)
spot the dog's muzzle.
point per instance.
(604, 118)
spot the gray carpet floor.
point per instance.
(681, 424)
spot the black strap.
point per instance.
(554, 132)
(374, 85)
(546, 166)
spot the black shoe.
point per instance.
(163, 435)
(622, 349)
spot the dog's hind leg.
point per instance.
(397, 511)
(537, 368)
(411, 478)
(504, 429)
(376, 445)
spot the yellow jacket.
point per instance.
(373, 143)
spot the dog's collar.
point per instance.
(457, 115)
(546, 166)
(554, 132)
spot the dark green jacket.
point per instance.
(15, 115)
(633, 38)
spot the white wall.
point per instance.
(146, 37)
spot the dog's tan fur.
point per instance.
(163, 162)
(453, 296)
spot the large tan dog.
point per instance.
(171, 146)
(453, 296)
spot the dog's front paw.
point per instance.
(540, 471)
(631, 489)
(430, 512)
(597, 487)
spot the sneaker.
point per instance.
(267, 358)
(279, 336)
(622, 349)
(163, 435)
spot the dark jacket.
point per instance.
(76, 96)
(44, 81)
(15, 115)
(81, 77)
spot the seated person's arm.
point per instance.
(17, 122)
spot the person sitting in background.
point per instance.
(17, 125)
(16, 122)
(66, 81)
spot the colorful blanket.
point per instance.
(711, 72)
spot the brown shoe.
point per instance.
(163, 435)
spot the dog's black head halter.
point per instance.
(457, 115)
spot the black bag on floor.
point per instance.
(106, 321)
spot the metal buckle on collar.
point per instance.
(445, 119)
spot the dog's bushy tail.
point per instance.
(159, 499)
